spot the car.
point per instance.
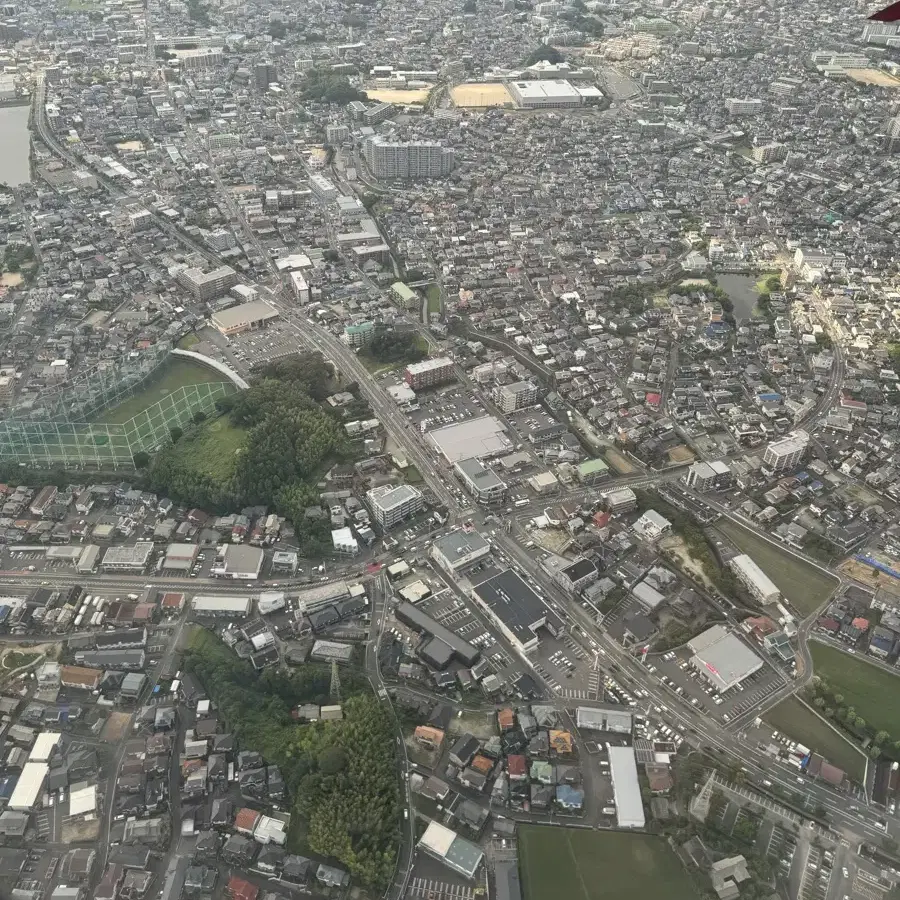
(845, 872)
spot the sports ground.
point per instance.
(582, 864)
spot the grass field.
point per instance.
(793, 718)
(805, 587)
(433, 295)
(870, 690)
(588, 865)
(475, 95)
(177, 373)
(213, 448)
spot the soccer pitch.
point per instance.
(582, 864)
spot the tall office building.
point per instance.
(414, 159)
(264, 74)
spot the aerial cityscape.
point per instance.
(449, 451)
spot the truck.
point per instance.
(609, 810)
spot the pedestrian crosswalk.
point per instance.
(429, 889)
(42, 822)
(573, 693)
(594, 684)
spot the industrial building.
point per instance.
(754, 579)
(219, 605)
(448, 847)
(516, 609)
(443, 645)
(458, 550)
(392, 504)
(626, 787)
(127, 559)
(408, 159)
(786, 454)
(482, 483)
(240, 562)
(243, 317)
(473, 438)
(549, 93)
(429, 372)
(724, 659)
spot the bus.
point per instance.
(521, 503)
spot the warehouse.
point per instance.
(448, 847)
(87, 562)
(44, 747)
(626, 787)
(548, 93)
(243, 317)
(458, 550)
(754, 579)
(240, 562)
(29, 786)
(516, 609)
(127, 559)
(221, 606)
(474, 438)
(457, 647)
(617, 720)
(723, 658)
(180, 557)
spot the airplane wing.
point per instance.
(888, 14)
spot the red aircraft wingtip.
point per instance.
(888, 14)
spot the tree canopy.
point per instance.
(327, 87)
(395, 346)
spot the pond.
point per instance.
(741, 290)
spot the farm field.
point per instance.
(589, 865)
(793, 718)
(870, 690)
(804, 586)
(177, 373)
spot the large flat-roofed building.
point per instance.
(240, 562)
(208, 285)
(180, 557)
(754, 579)
(244, 317)
(29, 786)
(481, 482)
(724, 659)
(219, 605)
(408, 159)
(429, 372)
(449, 848)
(548, 93)
(615, 719)
(127, 559)
(626, 787)
(474, 438)
(510, 397)
(392, 504)
(516, 609)
(592, 471)
(454, 647)
(786, 454)
(458, 550)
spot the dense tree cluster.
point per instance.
(395, 346)
(340, 775)
(290, 440)
(327, 87)
(544, 53)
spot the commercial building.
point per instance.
(29, 786)
(240, 562)
(88, 560)
(343, 541)
(456, 551)
(429, 372)
(786, 454)
(754, 579)
(180, 557)
(127, 559)
(592, 471)
(547, 93)
(392, 504)
(481, 482)
(448, 847)
(408, 159)
(724, 659)
(510, 397)
(243, 317)
(208, 285)
(443, 645)
(301, 287)
(473, 438)
(620, 501)
(219, 605)
(626, 787)
(592, 718)
(516, 609)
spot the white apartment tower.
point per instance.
(786, 454)
(413, 159)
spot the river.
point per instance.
(15, 145)
(741, 289)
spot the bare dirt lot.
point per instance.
(873, 76)
(681, 454)
(619, 462)
(80, 832)
(874, 579)
(675, 545)
(401, 98)
(116, 727)
(480, 95)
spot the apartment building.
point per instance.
(392, 504)
(510, 397)
(786, 454)
(748, 107)
(412, 159)
(208, 285)
(429, 372)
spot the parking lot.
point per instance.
(675, 672)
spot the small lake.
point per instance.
(741, 289)
(15, 145)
